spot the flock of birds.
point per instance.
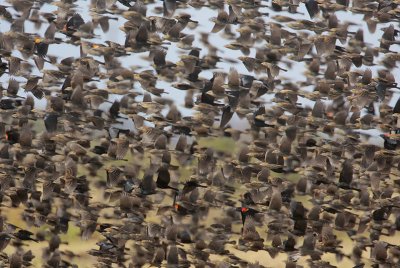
(113, 154)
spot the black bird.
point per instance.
(12, 136)
(41, 47)
(50, 122)
(383, 213)
(147, 185)
(3, 67)
(25, 235)
(247, 212)
(227, 114)
(114, 109)
(4, 241)
(289, 244)
(312, 8)
(190, 186)
(126, 3)
(248, 199)
(297, 210)
(389, 143)
(183, 210)
(9, 104)
(396, 108)
(164, 178)
(346, 175)
(73, 24)
(98, 149)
